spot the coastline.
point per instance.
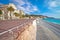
(47, 31)
(36, 30)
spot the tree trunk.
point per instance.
(10, 15)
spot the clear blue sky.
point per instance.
(38, 7)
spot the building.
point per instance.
(4, 10)
(6, 13)
(21, 12)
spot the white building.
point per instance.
(6, 13)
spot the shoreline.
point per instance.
(42, 30)
(52, 31)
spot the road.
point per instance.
(47, 31)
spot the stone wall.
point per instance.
(29, 33)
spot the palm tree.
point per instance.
(11, 9)
(16, 14)
(0, 13)
(19, 15)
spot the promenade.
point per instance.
(11, 24)
(15, 29)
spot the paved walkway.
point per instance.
(10, 29)
(46, 31)
(10, 25)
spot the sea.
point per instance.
(52, 20)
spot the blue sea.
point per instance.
(52, 20)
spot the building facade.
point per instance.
(6, 13)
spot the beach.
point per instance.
(47, 31)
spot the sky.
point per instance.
(49, 8)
